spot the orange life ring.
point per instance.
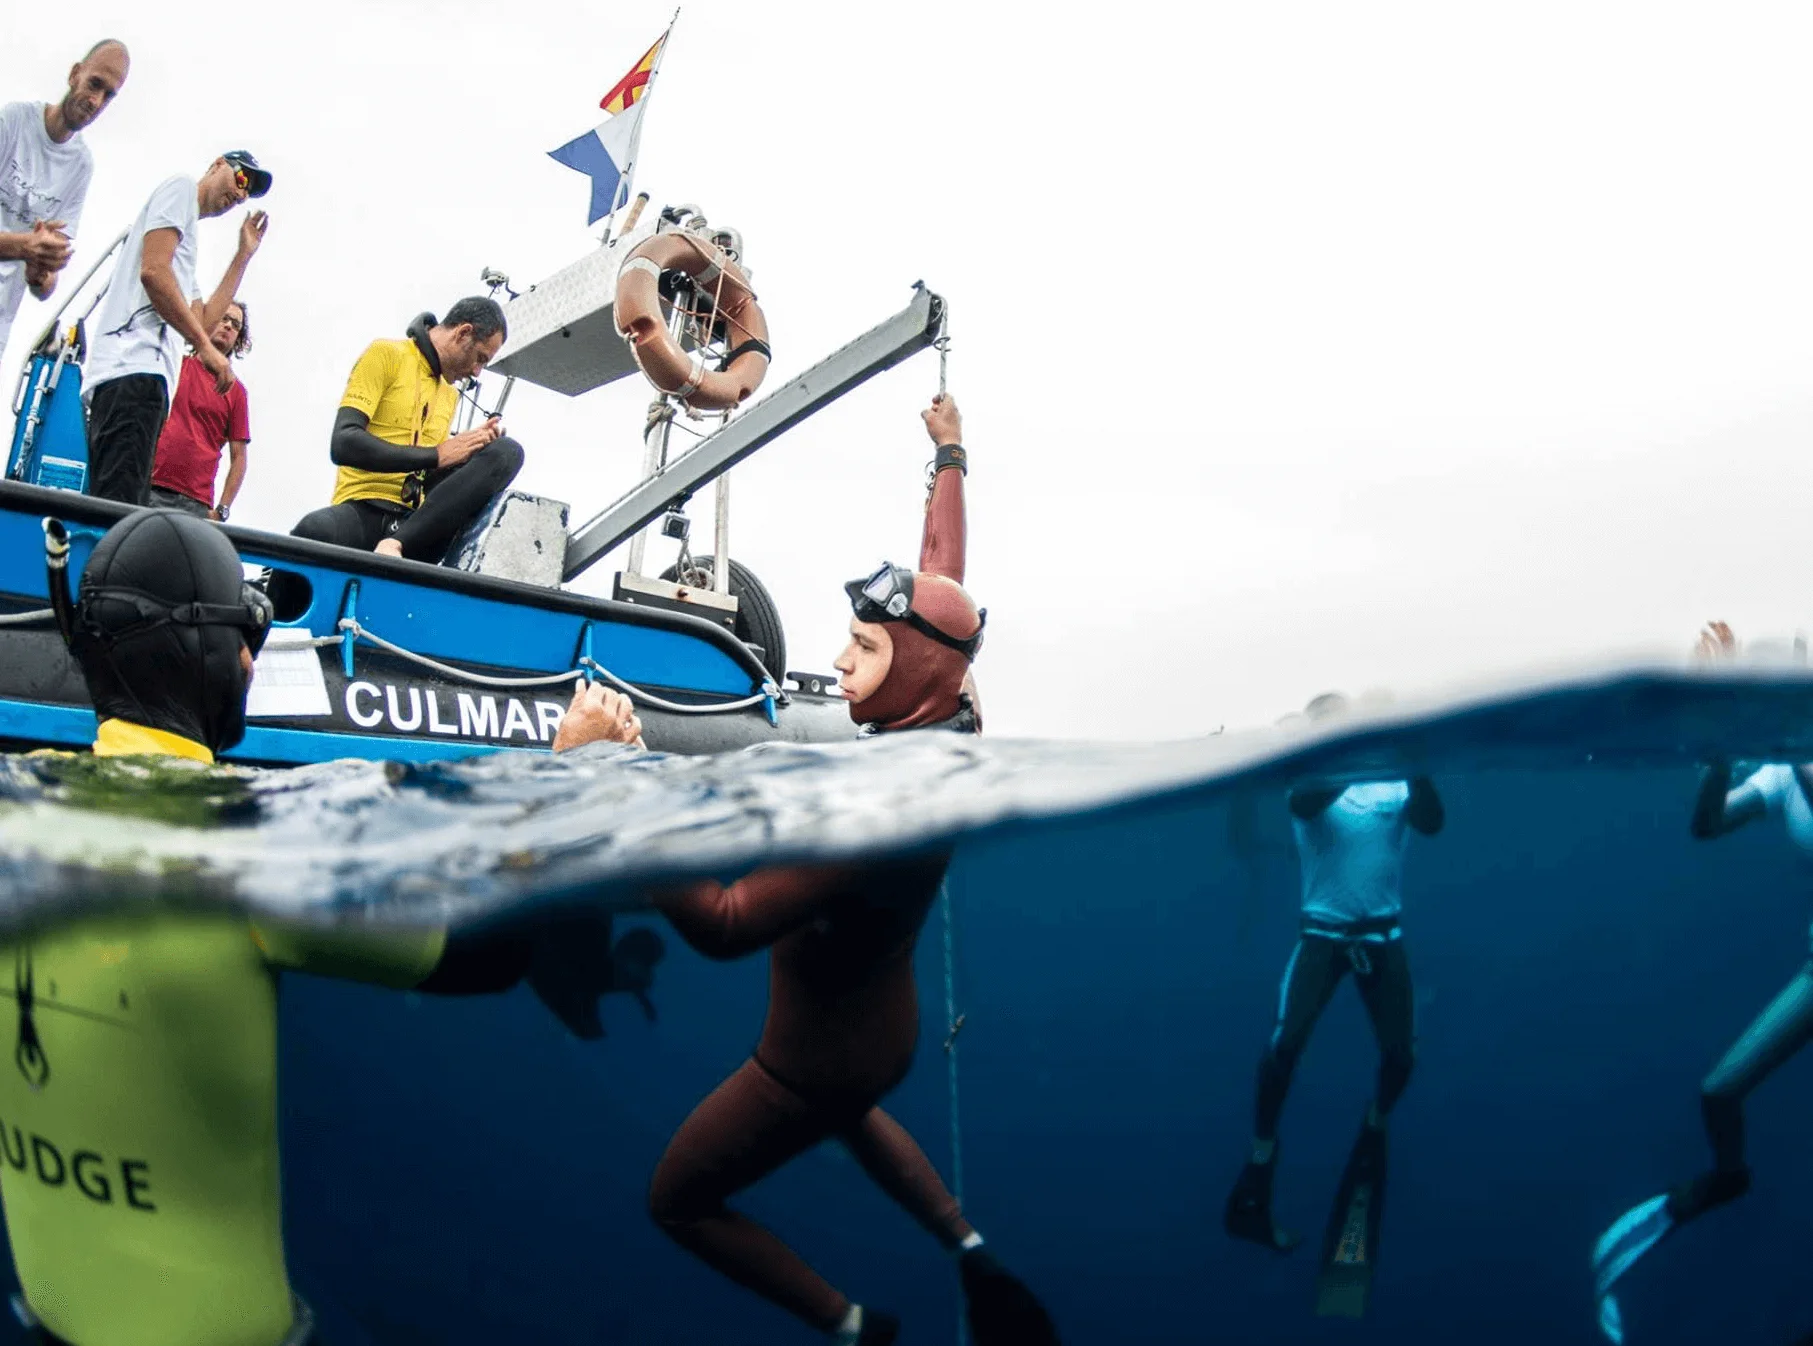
(680, 373)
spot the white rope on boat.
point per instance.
(769, 690)
(26, 618)
(587, 663)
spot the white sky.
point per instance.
(1299, 346)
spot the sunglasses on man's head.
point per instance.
(242, 180)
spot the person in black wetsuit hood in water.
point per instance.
(182, 1241)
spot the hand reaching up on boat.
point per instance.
(598, 715)
(1717, 644)
(456, 449)
(943, 422)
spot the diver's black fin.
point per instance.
(1350, 1248)
(1002, 1311)
(878, 1329)
(1248, 1213)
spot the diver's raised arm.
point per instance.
(942, 548)
(1718, 809)
(1425, 812)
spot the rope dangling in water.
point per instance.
(953, 1024)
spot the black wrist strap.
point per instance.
(950, 455)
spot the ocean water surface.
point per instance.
(466, 1171)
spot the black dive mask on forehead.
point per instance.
(251, 616)
(887, 596)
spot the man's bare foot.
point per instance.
(389, 547)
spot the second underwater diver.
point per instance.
(1785, 1026)
(1350, 846)
(843, 1011)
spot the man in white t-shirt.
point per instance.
(44, 174)
(152, 307)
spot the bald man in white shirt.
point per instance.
(44, 173)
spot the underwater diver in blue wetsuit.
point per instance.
(1350, 844)
(1785, 1026)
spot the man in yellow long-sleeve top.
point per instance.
(138, 1121)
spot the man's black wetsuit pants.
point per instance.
(1381, 970)
(453, 498)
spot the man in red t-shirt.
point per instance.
(201, 421)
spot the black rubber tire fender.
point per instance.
(758, 619)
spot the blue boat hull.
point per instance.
(353, 697)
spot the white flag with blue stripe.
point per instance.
(607, 155)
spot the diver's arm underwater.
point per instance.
(1424, 812)
(569, 959)
(732, 921)
(1719, 810)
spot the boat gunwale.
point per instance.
(256, 546)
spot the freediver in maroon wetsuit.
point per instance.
(843, 1011)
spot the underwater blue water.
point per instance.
(463, 1171)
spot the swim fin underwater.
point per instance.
(1350, 1247)
(1001, 1310)
(1645, 1225)
(1248, 1214)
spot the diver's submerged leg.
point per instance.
(889, 1155)
(745, 1129)
(1316, 967)
(1002, 1311)
(1350, 1244)
(1776, 1035)
(1390, 998)
(1780, 1031)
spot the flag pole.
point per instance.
(627, 188)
